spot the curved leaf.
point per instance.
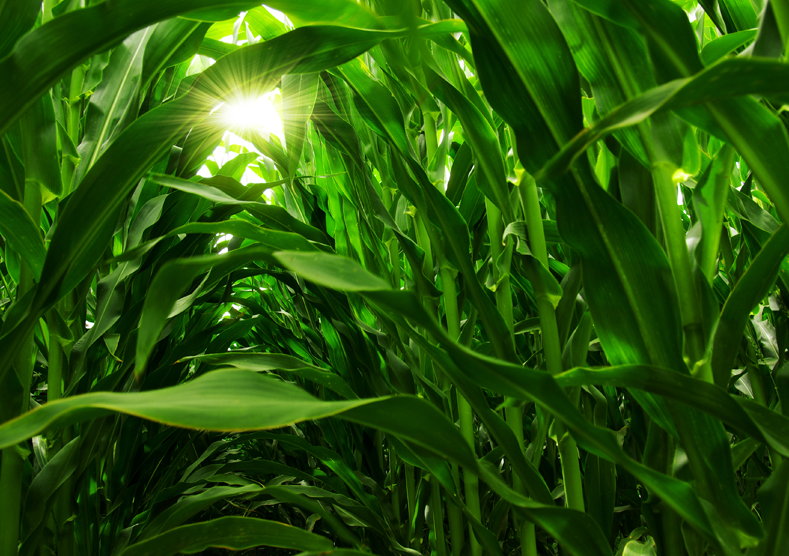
(79, 242)
(278, 362)
(509, 379)
(22, 234)
(730, 78)
(43, 56)
(704, 396)
(231, 533)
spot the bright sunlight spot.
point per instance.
(225, 237)
(467, 72)
(256, 115)
(254, 119)
(680, 175)
(199, 64)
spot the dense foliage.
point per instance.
(510, 278)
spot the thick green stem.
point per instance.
(530, 199)
(550, 330)
(26, 283)
(679, 257)
(55, 363)
(528, 539)
(659, 455)
(394, 260)
(423, 236)
(571, 467)
(395, 487)
(69, 165)
(12, 462)
(514, 417)
(438, 517)
(674, 234)
(394, 250)
(470, 481)
(55, 375)
(455, 516)
(501, 257)
(410, 491)
(450, 301)
(552, 346)
(10, 500)
(453, 326)
(423, 240)
(466, 416)
(501, 260)
(24, 366)
(431, 141)
(54, 393)
(663, 172)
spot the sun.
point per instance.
(253, 114)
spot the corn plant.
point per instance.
(449, 277)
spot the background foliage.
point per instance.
(506, 276)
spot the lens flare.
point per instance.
(256, 115)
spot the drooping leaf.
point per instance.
(234, 533)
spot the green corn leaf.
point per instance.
(21, 233)
(79, 243)
(234, 533)
(17, 20)
(751, 288)
(481, 137)
(39, 148)
(209, 403)
(751, 128)
(720, 47)
(730, 78)
(231, 339)
(204, 191)
(769, 427)
(170, 282)
(173, 41)
(298, 100)
(275, 361)
(514, 380)
(774, 499)
(114, 103)
(552, 114)
(40, 496)
(72, 38)
(189, 506)
(710, 201)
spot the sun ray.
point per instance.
(253, 115)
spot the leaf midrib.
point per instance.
(97, 147)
